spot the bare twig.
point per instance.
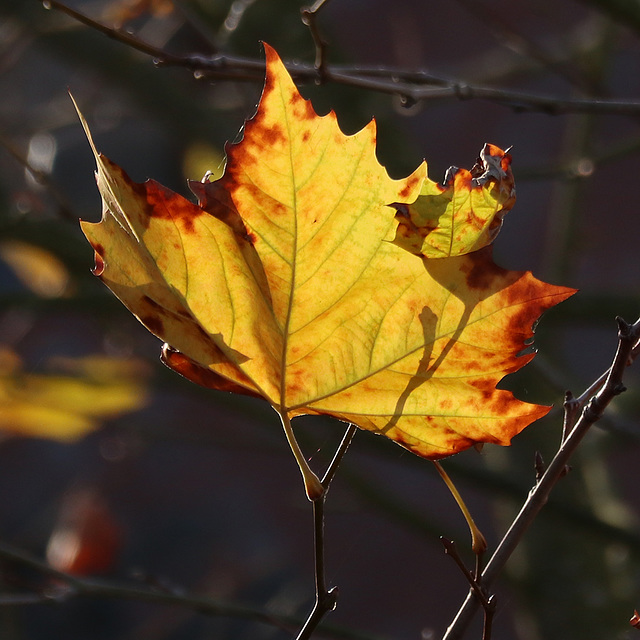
(487, 602)
(309, 17)
(337, 458)
(571, 408)
(592, 407)
(410, 85)
(326, 599)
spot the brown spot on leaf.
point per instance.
(215, 199)
(164, 204)
(411, 184)
(471, 366)
(485, 387)
(302, 109)
(273, 135)
(203, 333)
(154, 324)
(150, 302)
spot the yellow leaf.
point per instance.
(64, 407)
(462, 216)
(284, 282)
(38, 269)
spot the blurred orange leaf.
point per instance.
(87, 538)
(284, 281)
(125, 10)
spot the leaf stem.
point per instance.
(478, 542)
(337, 458)
(312, 485)
(592, 408)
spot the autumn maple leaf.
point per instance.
(293, 279)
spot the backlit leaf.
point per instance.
(462, 216)
(284, 282)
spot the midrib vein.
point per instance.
(287, 323)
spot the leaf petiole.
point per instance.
(478, 542)
(312, 484)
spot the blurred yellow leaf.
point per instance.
(38, 269)
(66, 407)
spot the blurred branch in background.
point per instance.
(63, 587)
(399, 82)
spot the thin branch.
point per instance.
(309, 17)
(66, 586)
(337, 458)
(326, 599)
(488, 603)
(410, 85)
(592, 409)
(450, 550)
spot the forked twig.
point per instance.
(488, 602)
(309, 16)
(326, 599)
(592, 407)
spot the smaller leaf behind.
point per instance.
(462, 216)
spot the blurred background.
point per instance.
(112, 466)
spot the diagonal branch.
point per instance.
(592, 405)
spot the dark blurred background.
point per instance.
(112, 466)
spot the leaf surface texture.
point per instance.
(294, 279)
